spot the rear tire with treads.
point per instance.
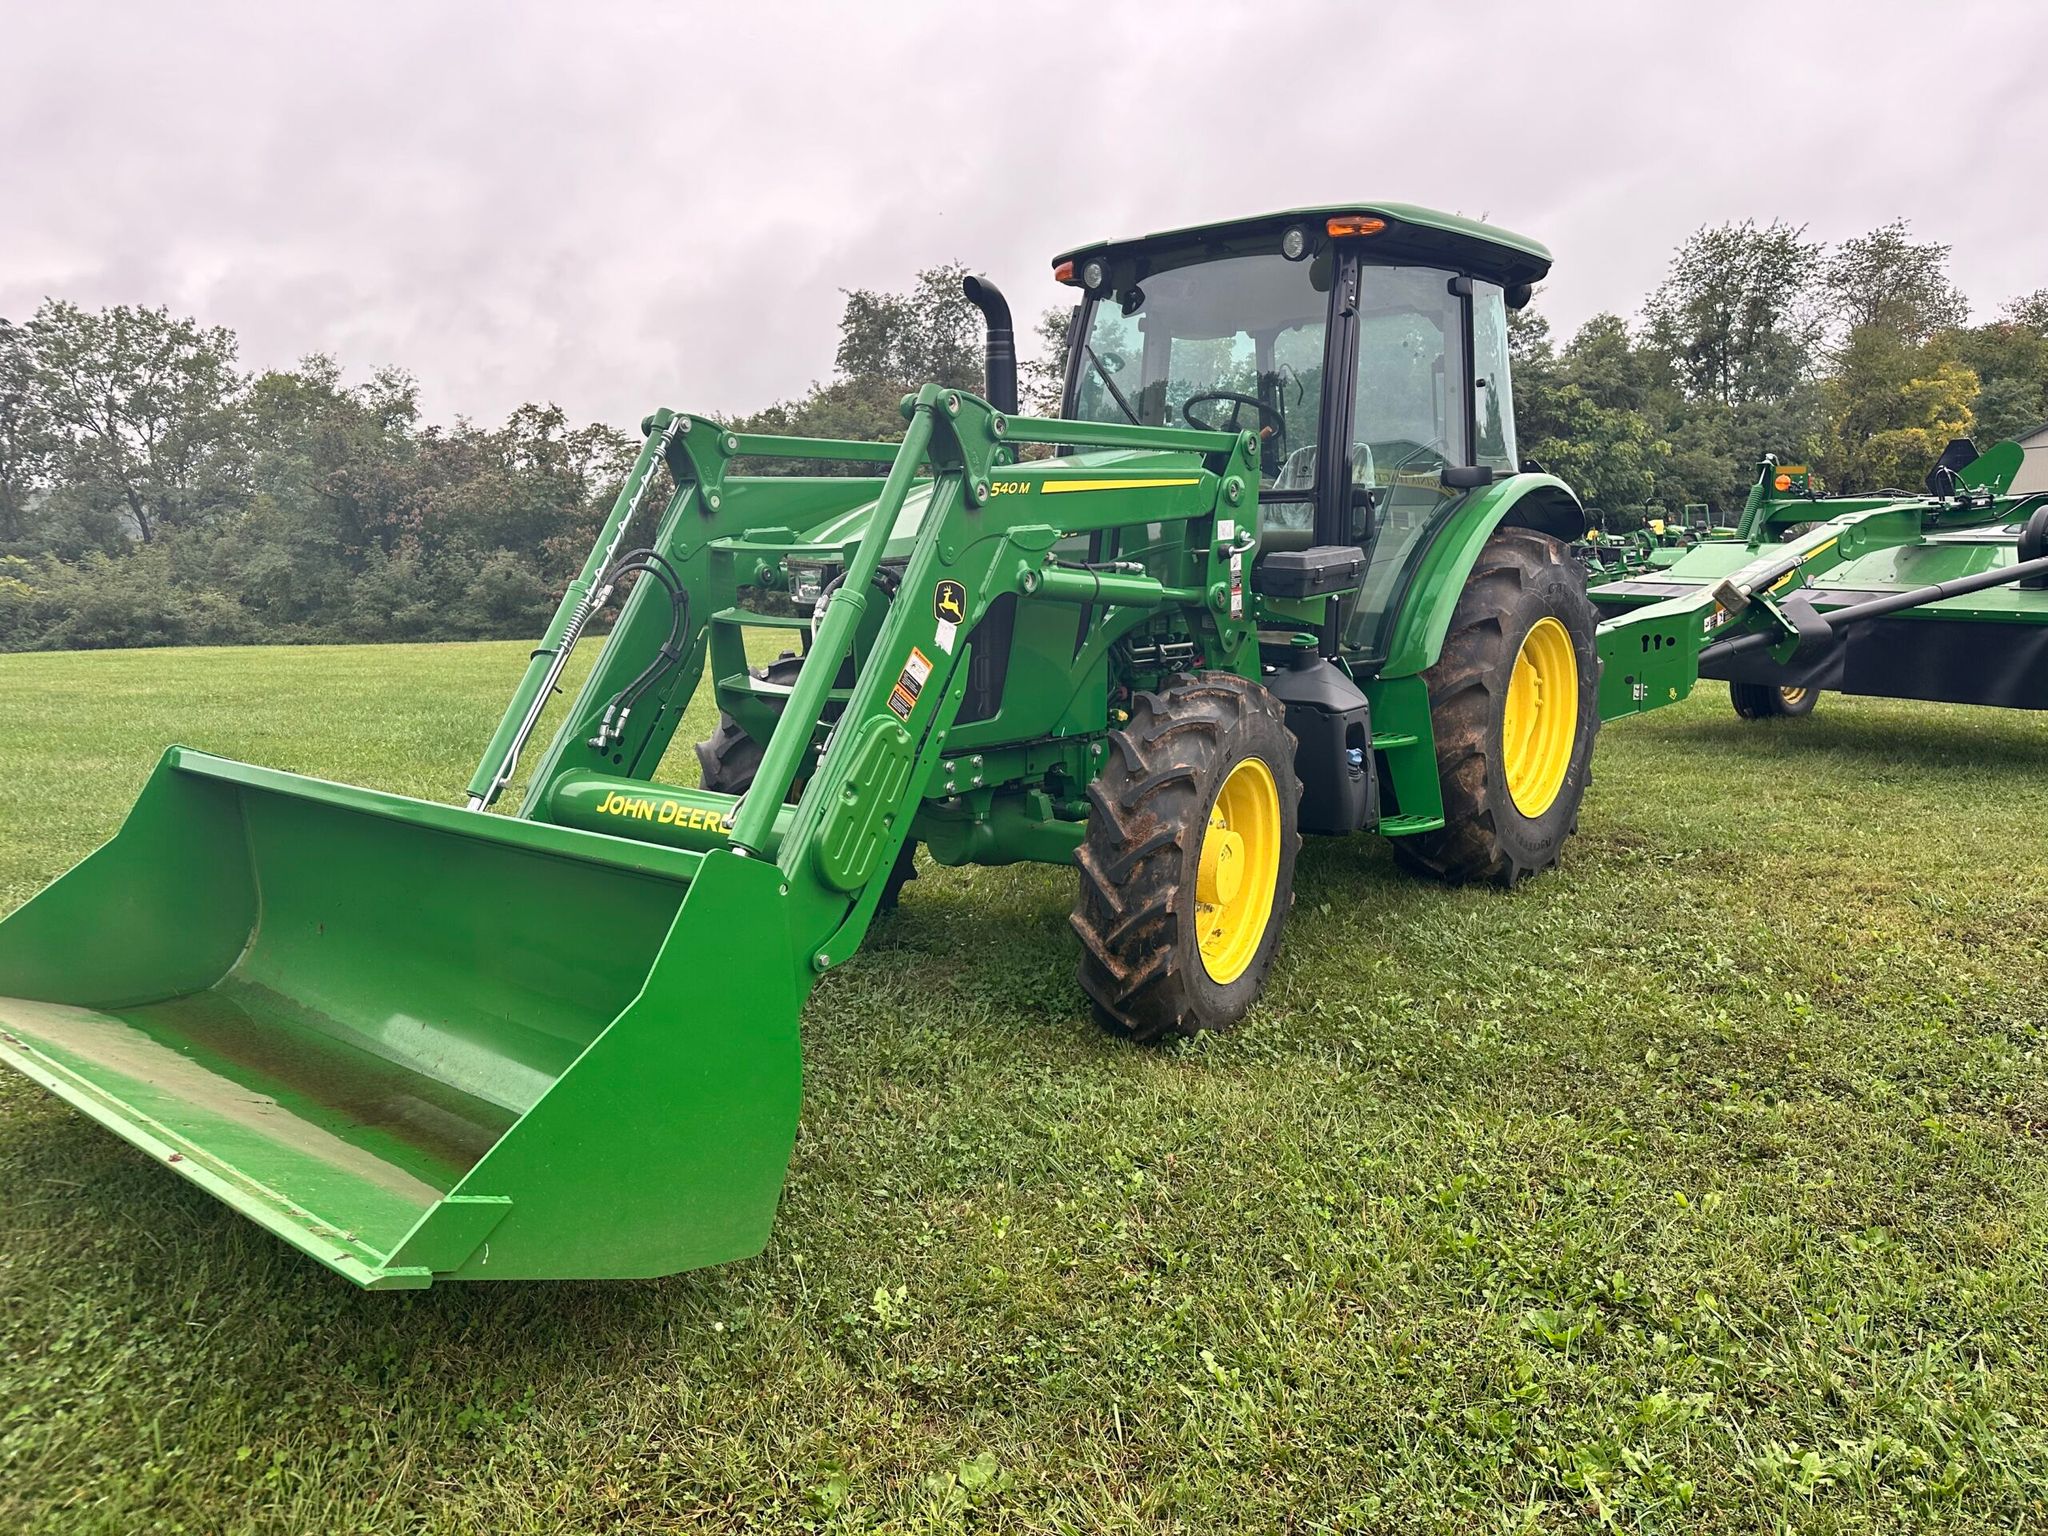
(1768, 701)
(1187, 875)
(1514, 707)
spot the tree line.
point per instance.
(153, 492)
(1858, 360)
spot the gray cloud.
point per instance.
(617, 206)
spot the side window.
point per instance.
(1493, 402)
(1296, 389)
(1409, 419)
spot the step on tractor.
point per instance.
(1275, 569)
(1941, 596)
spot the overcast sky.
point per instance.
(619, 206)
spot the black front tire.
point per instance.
(1522, 577)
(1141, 958)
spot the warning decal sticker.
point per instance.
(903, 697)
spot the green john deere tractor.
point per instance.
(1276, 570)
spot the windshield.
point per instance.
(1234, 344)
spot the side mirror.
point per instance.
(1467, 477)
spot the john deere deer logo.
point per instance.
(949, 602)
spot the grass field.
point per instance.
(1699, 1187)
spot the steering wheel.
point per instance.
(1269, 416)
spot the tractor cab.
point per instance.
(1366, 346)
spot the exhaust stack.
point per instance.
(1001, 368)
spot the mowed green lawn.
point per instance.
(1698, 1187)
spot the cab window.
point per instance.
(1229, 344)
(1493, 398)
(1409, 421)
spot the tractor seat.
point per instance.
(1298, 473)
(1291, 526)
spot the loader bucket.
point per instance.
(419, 1042)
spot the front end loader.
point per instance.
(1274, 570)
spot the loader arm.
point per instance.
(985, 530)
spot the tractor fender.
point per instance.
(1438, 570)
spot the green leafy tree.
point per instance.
(1043, 375)
(1610, 457)
(2029, 313)
(1735, 315)
(1889, 280)
(2010, 358)
(930, 334)
(1715, 448)
(2007, 408)
(1582, 414)
(144, 411)
(1610, 413)
(346, 456)
(517, 487)
(1892, 407)
(865, 410)
(889, 345)
(334, 474)
(1615, 370)
(26, 442)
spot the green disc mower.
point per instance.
(1939, 596)
(1274, 570)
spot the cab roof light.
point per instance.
(1064, 273)
(1344, 225)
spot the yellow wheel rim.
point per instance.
(1793, 697)
(1240, 864)
(1542, 719)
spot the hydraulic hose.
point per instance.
(653, 564)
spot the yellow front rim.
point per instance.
(1793, 696)
(1542, 719)
(1240, 864)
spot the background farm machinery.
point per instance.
(1940, 596)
